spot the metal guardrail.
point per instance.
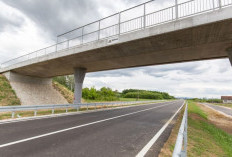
(133, 19)
(13, 109)
(180, 149)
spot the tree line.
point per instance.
(107, 94)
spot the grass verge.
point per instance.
(204, 138)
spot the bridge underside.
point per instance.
(198, 43)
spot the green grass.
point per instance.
(7, 94)
(204, 138)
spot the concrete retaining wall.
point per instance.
(33, 90)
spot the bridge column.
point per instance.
(79, 75)
(229, 51)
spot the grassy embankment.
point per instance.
(7, 94)
(207, 136)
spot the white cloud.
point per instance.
(26, 38)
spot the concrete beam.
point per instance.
(229, 51)
(79, 75)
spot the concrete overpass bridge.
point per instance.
(139, 36)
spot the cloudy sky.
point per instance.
(28, 25)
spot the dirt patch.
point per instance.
(218, 119)
(194, 116)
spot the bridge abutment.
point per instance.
(79, 76)
(34, 90)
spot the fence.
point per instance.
(180, 149)
(13, 109)
(133, 19)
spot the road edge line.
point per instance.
(147, 147)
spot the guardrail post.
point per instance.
(219, 4)
(87, 107)
(52, 111)
(95, 106)
(12, 114)
(35, 113)
(176, 6)
(66, 110)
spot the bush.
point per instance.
(104, 94)
(135, 93)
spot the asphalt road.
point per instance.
(225, 110)
(118, 132)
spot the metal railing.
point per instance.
(180, 149)
(94, 106)
(133, 19)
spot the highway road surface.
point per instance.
(124, 132)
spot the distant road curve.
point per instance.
(224, 110)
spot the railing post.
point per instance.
(66, 110)
(99, 29)
(213, 4)
(68, 44)
(144, 24)
(119, 21)
(219, 4)
(82, 36)
(176, 6)
(56, 43)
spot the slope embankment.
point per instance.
(8, 96)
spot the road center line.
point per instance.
(79, 126)
(146, 148)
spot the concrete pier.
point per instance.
(79, 75)
(229, 51)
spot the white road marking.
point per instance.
(79, 126)
(146, 148)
